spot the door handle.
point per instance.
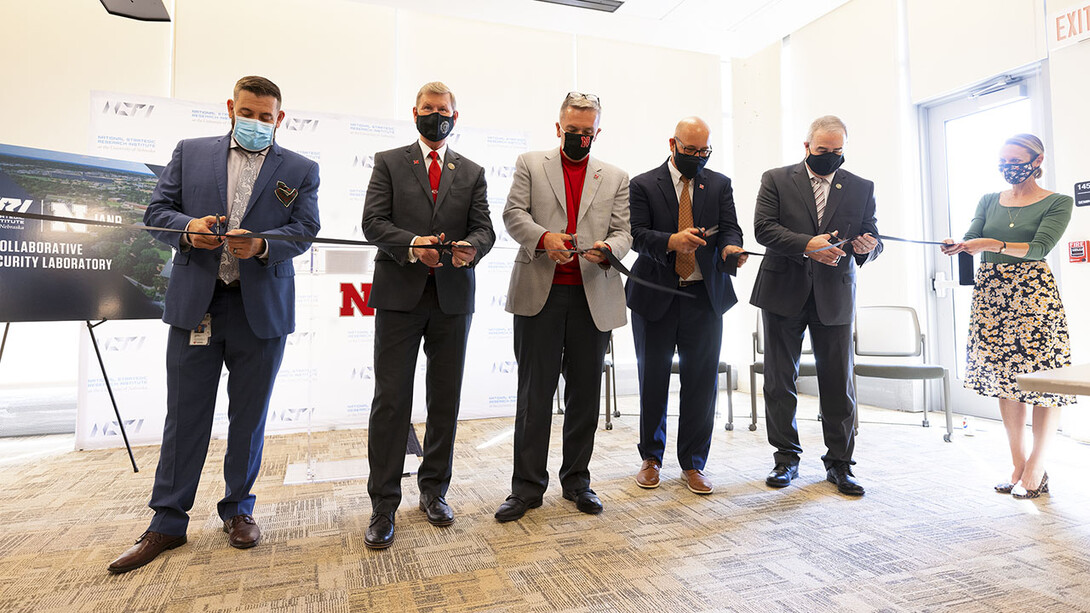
(941, 284)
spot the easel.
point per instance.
(91, 329)
(102, 365)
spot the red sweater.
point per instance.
(575, 174)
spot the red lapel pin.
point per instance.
(701, 186)
(416, 161)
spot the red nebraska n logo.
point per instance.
(584, 141)
(350, 297)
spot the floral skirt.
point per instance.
(1017, 326)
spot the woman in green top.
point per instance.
(1017, 323)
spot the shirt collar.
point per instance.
(426, 150)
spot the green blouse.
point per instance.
(1040, 224)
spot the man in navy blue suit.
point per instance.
(230, 301)
(672, 207)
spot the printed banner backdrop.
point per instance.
(54, 271)
(326, 380)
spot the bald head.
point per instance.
(693, 128)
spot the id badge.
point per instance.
(203, 332)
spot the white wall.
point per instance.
(339, 56)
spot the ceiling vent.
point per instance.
(607, 6)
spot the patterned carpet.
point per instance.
(930, 535)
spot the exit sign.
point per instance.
(1069, 26)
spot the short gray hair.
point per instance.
(439, 88)
(826, 123)
(580, 102)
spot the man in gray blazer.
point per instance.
(422, 194)
(804, 283)
(564, 207)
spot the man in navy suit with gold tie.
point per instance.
(422, 194)
(229, 302)
(672, 207)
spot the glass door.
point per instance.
(961, 145)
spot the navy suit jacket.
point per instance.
(399, 206)
(653, 205)
(786, 219)
(194, 184)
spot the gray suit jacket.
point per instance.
(399, 206)
(786, 219)
(536, 204)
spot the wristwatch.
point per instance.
(1003, 248)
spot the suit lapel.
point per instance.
(591, 182)
(450, 166)
(699, 194)
(415, 159)
(806, 191)
(219, 165)
(836, 194)
(669, 193)
(268, 170)
(555, 173)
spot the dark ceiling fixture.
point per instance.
(607, 6)
(144, 10)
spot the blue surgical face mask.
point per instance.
(253, 135)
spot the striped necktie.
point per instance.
(819, 196)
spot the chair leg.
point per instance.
(926, 423)
(613, 376)
(855, 387)
(730, 399)
(753, 398)
(609, 407)
(946, 406)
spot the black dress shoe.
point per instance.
(585, 500)
(514, 508)
(439, 512)
(782, 474)
(841, 475)
(380, 534)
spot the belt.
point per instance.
(688, 283)
(232, 285)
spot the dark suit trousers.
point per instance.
(397, 343)
(562, 338)
(193, 376)
(696, 331)
(833, 359)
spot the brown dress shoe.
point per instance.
(242, 531)
(698, 482)
(147, 547)
(648, 477)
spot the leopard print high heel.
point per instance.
(1004, 488)
(1041, 489)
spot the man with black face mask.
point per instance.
(803, 283)
(564, 208)
(672, 207)
(422, 194)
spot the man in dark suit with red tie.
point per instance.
(804, 283)
(423, 194)
(671, 206)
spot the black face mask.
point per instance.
(435, 127)
(577, 146)
(824, 164)
(689, 165)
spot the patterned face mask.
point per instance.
(1017, 173)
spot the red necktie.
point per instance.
(433, 175)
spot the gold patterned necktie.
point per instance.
(819, 196)
(685, 264)
(228, 262)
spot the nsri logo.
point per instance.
(506, 366)
(290, 415)
(363, 161)
(110, 428)
(301, 125)
(15, 205)
(365, 373)
(127, 109)
(123, 343)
